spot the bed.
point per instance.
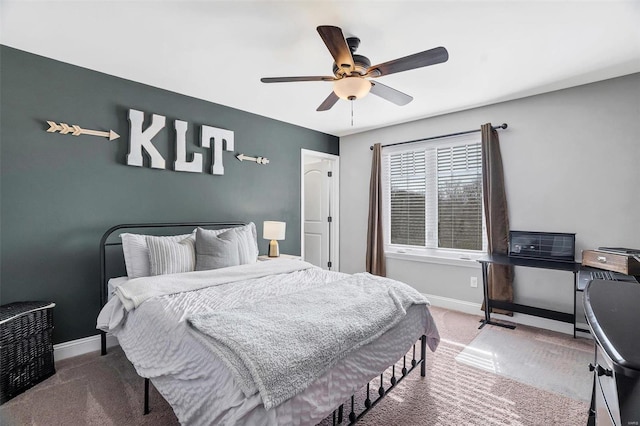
(228, 339)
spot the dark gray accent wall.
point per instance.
(59, 193)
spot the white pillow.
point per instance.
(247, 241)
(171, 257)
(136, 253)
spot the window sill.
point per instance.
(442, 257)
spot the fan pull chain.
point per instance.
(352, 113)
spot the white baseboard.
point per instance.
(474, 309)
(455, 304)
(81, 346)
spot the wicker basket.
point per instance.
(26, 348)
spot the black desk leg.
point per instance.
(487, 300)
(485, 289)
(575, 295)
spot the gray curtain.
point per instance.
(500, 277)
(375, 245)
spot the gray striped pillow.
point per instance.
(171, 257)
(136, 253)
(247, 243)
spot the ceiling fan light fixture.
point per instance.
(351, 88)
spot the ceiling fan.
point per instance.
(352, 73)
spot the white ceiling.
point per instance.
(219, 50)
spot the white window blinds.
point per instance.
(459, 177)
(407, 178)
(432, 194)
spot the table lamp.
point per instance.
(273, 231)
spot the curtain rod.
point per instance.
(503, 126)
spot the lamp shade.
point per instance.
(351, 87)
(273, 230)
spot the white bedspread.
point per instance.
(200, 387)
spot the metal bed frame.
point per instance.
(338, 413)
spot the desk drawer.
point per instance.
(611, 262)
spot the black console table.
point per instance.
(524, 309)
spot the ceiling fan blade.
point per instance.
(417, 60)
(290, 79)
(390, 94)
(329, 102)
(337, 45)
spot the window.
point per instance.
(432, 194)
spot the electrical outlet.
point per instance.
(474, 282)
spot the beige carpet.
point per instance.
(522, 354)
(106, 391)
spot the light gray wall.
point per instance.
(571, 164)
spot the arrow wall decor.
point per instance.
(258, 160)
(76, 130)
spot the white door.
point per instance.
(317, 216)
